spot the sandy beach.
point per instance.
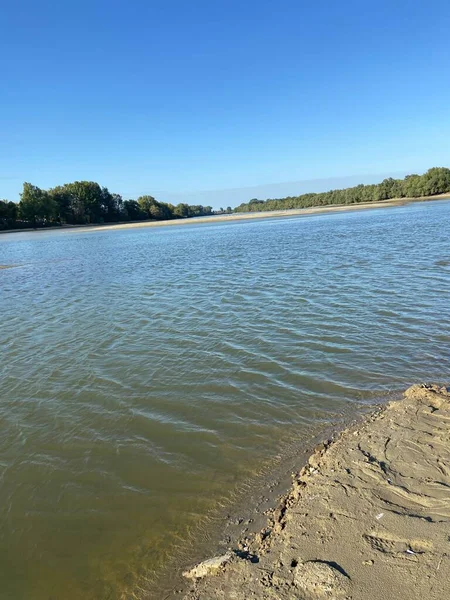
(271, 214)
(368, 517)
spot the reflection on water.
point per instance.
(147, 373)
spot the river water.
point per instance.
(146, 374)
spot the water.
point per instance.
(147, 373)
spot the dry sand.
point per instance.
(367, 519)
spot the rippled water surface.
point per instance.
(147, 373)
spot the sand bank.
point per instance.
(269, 214)
(368, 518)
(272, 213)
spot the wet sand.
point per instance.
(367, 518)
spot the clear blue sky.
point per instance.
(174, 97)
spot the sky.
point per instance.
(220, 101)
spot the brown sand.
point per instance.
(367, 518)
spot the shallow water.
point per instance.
(147, 373)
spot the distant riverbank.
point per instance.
(241, 216)
(269, 214)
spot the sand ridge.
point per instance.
(367, 518)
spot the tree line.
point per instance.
(434, 181)
(86, 202)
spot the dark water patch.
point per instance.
(443, 263)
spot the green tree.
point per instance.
(154, 209)
(132, 211)
(181, 210)
(8, 214)
(110, 205)
(146, 203)
(36, 205)
(87, 197)
(412, 186)
(435, 181)
(87, 202)
(82, 202)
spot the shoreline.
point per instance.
(244, 512)
(294, 212)
(367, 517)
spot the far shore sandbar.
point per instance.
(224, 218)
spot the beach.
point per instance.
(368, 516)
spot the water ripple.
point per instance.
(146, 373)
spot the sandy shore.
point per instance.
(239, 216)
(367, 518)
(272, 213)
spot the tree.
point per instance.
(36, 205)
(181, 210)
(435, 181)
(154, 209)
(87, 198)
(132, 211)
(111, 205)
(64, 204)
(83, 202)
(146, 203)
(87, 202)
(412, 186)
(8, 214)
